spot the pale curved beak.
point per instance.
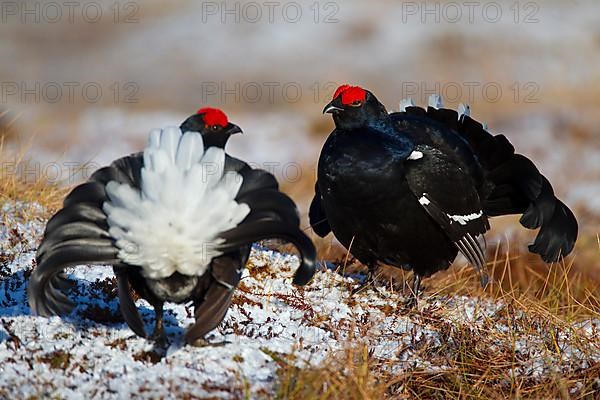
(330, 109)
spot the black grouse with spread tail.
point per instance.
(412, 189)
(176, 222)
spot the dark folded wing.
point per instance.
(448, 195)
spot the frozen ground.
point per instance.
(92, 354)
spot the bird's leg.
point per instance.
(369, 281)
(411, 302)
(159, 335)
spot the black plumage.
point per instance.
(412, 189)
(79, 234)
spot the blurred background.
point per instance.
(83, 82)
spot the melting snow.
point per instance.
(92, 353)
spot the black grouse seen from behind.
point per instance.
(176, 222)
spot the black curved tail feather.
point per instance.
(92, 193)
(45, 284)
(76, 213)
(517, 185)
(72, 232)
(273, 202)
(211, 310)
(254, 179)
(75, 235)
(255, 231)
(557, 236)
(273, 215)
(127, 306)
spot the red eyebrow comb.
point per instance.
(213, 116)
(350, 94)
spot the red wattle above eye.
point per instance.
(213, 116)
(353, 94)
(340, 90)
(350, 94)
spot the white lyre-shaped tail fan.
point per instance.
(185, 201)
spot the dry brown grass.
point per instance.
(34, 189)
(473, 375)
(572, 284)
(539, 300)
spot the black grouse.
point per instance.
(412, 189)
(176, 222)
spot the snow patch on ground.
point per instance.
(93, 354)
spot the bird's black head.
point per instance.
(213, 125)
(353, 107)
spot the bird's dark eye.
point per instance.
(356, 103)
(215, 127)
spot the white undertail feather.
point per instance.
(435, 101)
(186, 201)
(407, 102)
(464, 109)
